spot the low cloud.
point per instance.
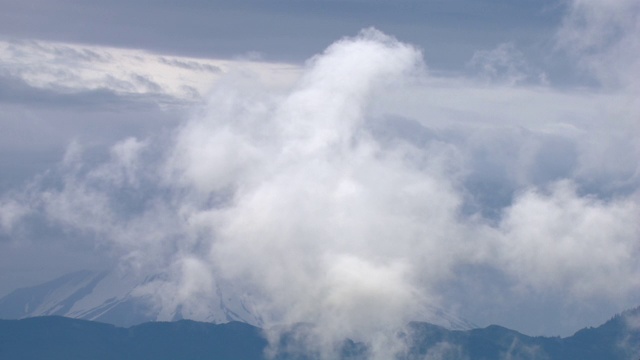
(444, 350)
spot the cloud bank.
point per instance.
(352, 198)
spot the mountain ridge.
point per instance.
(111, 297)
(56, 337)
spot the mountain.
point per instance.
(618, 338)
(114, 298)
(117, 299)
(68, 339)
(64, 338)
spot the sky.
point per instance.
(354, 158)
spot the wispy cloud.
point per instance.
(505, 64)
(77, 68)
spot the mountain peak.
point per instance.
(111, 297)
(115, 298)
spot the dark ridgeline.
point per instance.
(62, 338)
(59, 338)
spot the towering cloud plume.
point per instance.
(351, 199)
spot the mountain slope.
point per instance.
(117, 299)
(618, 338)
(114, 298)
(70, 339)
(67, 339)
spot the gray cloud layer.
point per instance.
(282, 29)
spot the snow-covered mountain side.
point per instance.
(115, 298)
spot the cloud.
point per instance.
(360, 190)
(632, 320)
(602, 35)
(124, 164)
(519, 351)
(72, 68)
(506, 64)
(445, 350)
(54, 93)
(10, 212)
(571, 242)
(628, 343)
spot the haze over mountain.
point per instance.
(500, 182)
